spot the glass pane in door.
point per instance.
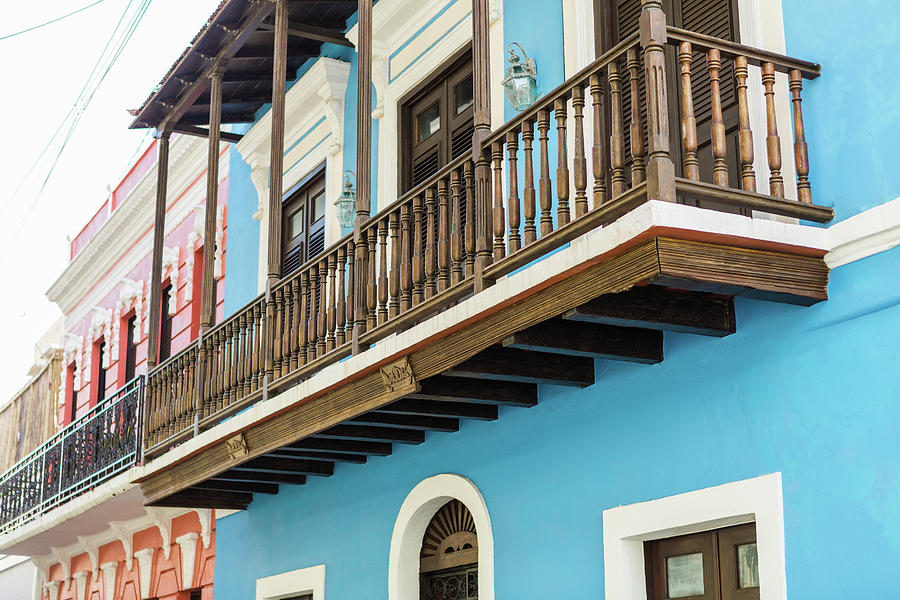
(684, 575)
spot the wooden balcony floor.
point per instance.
(615, 305)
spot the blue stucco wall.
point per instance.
(851, 112)
(809, 392)
(242, 242)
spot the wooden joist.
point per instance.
(460, 389)
(372, 433)
(653, 307)
(572, 338)
(238, 486)
(316, 455)
(344, 446)
(203, 132)
(463, 410)
(198, 498)
(408, 421)
(311, 32)
(290, 465)
(511, 364)
(242, 475)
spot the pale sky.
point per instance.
(42, 73)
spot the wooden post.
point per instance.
(276, 160)
(207, 309)
(159, 232)
(660, 169)
(481, 156)
(363, 165)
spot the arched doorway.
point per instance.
(448, 562)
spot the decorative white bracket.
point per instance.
(59, 557)
(218, 271)
(206, 516)
(493, 10)
(170, 260)
(163, 522)
(43, 564)
(145, 565)
(80, 582)
(99, 318)
(73, 347)
(380, 75)
(123, 534)
(109, 579)
(92, 551)
(188, 545)
(131, 293)
(52, 588)
(259, 175)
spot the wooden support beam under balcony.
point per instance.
(201, 498)
(462, 410)
(289, 452)
(373, 433)
(630, 344)
(226, 485)
(311, 32)
(654, 307)
(525, 366)
(459, 390)
(424, 423)
(289, 465)
(344, 446)
(281, 478)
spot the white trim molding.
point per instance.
(862, 235)
(188, 545)
(416, 512)
(626, 528)
(145, 568)
(314, 132)
(80, 583)
(308, 581)
(109, 579)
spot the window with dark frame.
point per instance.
(130, 349)
(101, 372)
(73, 406)
(303, 223)
(437, 122)
(448, 561)
(714, 565)
(165, 325)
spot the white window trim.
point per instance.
(416, 513)
(318, 95)
(395, 27)
(762, 26)
(310, 580)
(626, 528)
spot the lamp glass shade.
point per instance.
(346, 207)
(520, 83)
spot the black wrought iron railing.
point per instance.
(100, 444)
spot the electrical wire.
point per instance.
(118, 40)
(50, 22)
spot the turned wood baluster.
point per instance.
(227, 366)
(719, 148)
(469, 176)
(512, 148)
(543, 125)
(372, 283)
(773, 141)
(382, 271)
(406, 265)
(243, 370)
(617, 137)
(418, 266)
(499, 228)
(579, 163)
(745, 135)
(286, 329)
(528, 192)
(164, 405)
(430, 259)
(801, 154)
(295, 323)
(312, 324)
(278, 331)
(688, 120)
(351, 288)
(340, 334)
(235, 359)
(223, 364)
(213, 373)
(394, 305)
(303, 337)
(332, 303)
(456, 239)
(322, 310)
(443, 245)
(562, 164)
(257, 344)
(177, 368)
(598, 157)
(638, 152)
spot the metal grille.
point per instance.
(456, 585)
(102, 443)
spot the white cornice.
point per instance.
(864, 234)
(395, 22)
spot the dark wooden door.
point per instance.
(617, 19)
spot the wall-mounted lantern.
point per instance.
(520, 83)
(346, 202)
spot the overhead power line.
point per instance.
(50, 22)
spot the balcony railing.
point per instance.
(100, 444)
(469, 222)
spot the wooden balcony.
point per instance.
(442, 249)
(100, 444)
